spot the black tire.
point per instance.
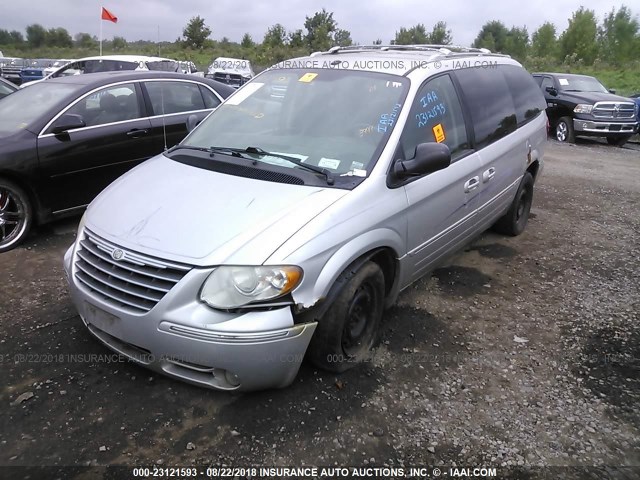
(563, 131)
(618, 141)
(515, 220)
(349, 328)
(16, 215)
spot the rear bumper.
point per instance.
(189, 341)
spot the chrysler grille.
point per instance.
(614, 110)
(135, 282)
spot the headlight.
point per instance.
(583, 108)
(236, 286)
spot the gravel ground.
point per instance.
(520, 352)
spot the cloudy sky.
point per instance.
(366, 20)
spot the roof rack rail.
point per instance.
(442, 49)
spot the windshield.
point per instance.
(96, 66)
(581, 84)
(22, 108)
(338, 120)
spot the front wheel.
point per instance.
(515, 220)
(16, 215)
(349, 328)
(564, 130)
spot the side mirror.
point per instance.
(552, 91)
(612, 90)
(192, 122)
(430, 157)
(68, 121)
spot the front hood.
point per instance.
(196, 216)
(593, 97)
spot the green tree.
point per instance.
(119, 43)
(618, 36)
(247, 41)
(85, 41)
(412, 36)
(579, 38)
(342, 38)
(196, 32)
(36, 35)
(493, 35)
(16, 37)
(440, 34)
(517, 43)
(543, 41)
(5, 37)
(296, 39)
(377, 41)
(59, 37)
(276, 36)
(320, 29)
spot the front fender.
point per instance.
(322, 271)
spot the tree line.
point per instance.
(614, 41)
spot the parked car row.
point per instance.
(22, 71)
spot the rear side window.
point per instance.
(490, 103)
(210, 100)
(527, 97)
(436, 116)
(174, 97)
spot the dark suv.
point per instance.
(581, 105)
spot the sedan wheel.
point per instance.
(15, 215)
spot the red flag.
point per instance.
(107, 15)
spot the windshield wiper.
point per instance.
(234, 152)
(241, 152)
(322, 171)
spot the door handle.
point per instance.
(488, 174)
(137, 133)
(471, 184)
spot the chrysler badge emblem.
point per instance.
(117, 254)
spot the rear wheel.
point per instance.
(349, 328)
(515, 220)
(564, 130)
(618, 141)
(16, 215)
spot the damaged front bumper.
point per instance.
(183, 338)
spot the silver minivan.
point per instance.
(292, 216)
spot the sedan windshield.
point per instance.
(337, 120)
(22, 108)
(581, 84)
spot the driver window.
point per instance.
(436, 116)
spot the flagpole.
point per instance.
(100, 31)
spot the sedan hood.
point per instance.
(192, 215)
